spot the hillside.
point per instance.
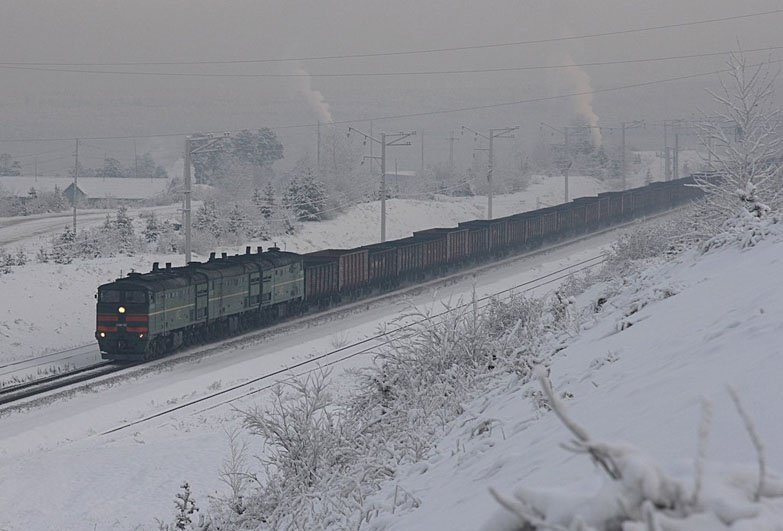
(678, 332)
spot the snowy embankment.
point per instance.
(51, 306)
(678, 333)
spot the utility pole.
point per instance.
(451, 140)
(567, 164)
(623, 126)
(422, 152)
(667, 175)
(386, 140)
(564, 162)
(504, 132)
(622, 154)
(195, 145)
(672, 155)
(186, 208)
(136, 159)
(383, 187)
(74, 195)
(318, 147)
(676, 155)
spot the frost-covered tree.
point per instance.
(147, 167)
(258, 149)
(747, 159)
(305, 195)
(9, 166)
(269, 201)
(152, 229)
(62, 247)
(185, 514)
(207, 219)
(111, 168)
(237, 222)
(123, 226)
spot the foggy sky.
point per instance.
(37, 104)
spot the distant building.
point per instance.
(89, 190)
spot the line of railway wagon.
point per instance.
(335, 274)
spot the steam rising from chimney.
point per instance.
(314, 98)
(583, 103)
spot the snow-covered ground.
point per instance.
(689, 327)
(119, 481)
(718, 325)
(703, 321)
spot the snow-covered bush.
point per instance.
(8, 260)
(324, 460)
(637, 495)
(664, 238)
(305, 196)
(186, 512)
(116, 236)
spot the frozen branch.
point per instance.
(704, 435)
(583, 438)
(523, 512)
(754, 437)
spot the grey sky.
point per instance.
(58, 104)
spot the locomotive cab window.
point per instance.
(109, 295)
(135, 296)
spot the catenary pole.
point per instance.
(622, 155)
(74, 195)
(489, 172)
(385, 140)
(676, 155)
(567, 164)
(186, 209)
(383, 187)
(504, 132)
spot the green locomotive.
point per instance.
(144, 315)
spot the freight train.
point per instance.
(143, 316)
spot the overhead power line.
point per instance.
(386, 74)
(411, 52)
(415, 114)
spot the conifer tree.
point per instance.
(269, 201)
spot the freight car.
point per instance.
(146, 315)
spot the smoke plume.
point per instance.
(583, 103)
(314, 98)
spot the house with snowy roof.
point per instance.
(87, 190)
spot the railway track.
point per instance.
(358, 348)
(14, 393)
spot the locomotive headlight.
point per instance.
(121, 309)
(103, 334)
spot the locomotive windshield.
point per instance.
(135, 296)
(113, 295)
(110, 295)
